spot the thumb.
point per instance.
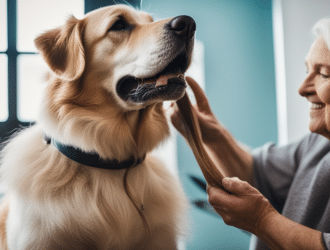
(236, 186)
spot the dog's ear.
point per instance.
(63, 50)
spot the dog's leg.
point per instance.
(3, 218)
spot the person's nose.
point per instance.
(307, 87)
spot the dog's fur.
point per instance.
(52, 202)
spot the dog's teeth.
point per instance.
(162, 88)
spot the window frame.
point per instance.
(12, 124)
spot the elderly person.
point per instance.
(279, 194)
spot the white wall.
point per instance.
(299, 16)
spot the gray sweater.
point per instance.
(296, 180)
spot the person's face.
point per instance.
(316, 87)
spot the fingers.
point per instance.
(238, 187)
(219, 198)
(222, 202)
(244, 207)
(201, 99)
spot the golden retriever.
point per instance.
(82, 176)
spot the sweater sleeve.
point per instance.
(275, 167)
(326, 240)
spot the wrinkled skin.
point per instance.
(240, 205)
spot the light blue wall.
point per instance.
(240, 83)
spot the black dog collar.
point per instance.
(92, 159)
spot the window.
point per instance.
(3, 25)
(3, 87)
(3, 63)
(30, 67)
(50, 14)
(30, 81)
(20, 65)
(21, 69)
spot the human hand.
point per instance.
(241, 205)
(207, 121)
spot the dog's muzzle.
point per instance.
(169, 83)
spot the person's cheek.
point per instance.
(323, 90)
(327, 116)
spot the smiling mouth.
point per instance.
(316, 106)
(169, 84)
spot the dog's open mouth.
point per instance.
(169, 84)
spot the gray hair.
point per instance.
(322, 28)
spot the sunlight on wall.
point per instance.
(196, 69)
(282, 121)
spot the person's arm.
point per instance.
(279, 232)
(224, 150)
(243, 206)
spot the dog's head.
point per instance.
(137, 61)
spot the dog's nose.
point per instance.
(183, 26)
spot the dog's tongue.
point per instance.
(162, 80)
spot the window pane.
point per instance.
(3, 88)
(3, 25)
(36, 16)
(30, 81)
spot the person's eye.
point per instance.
(325, 76)
(120, 25)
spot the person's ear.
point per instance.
(63, 50)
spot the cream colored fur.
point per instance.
(52, 202)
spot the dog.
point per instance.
(83, 176)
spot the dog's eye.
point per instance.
(120, 25)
